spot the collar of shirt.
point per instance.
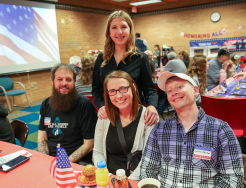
(218, 62)
(201, 114)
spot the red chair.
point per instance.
(91, 98)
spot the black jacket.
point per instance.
(6, 132)
(137, 67)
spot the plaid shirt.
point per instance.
(168, 154)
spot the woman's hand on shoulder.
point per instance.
(102, 113)
(151, 115)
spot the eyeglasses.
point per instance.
(122, 89)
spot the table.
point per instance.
(227, 107)
(35, 172)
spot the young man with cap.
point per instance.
(191, 149)
(213, 72)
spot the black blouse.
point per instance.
(137, 67)
(116, 158)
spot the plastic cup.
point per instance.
(149, 181)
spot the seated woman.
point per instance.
(184, 56)
(84, 79)
(122, 104)
(197, 71)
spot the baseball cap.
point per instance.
(224, 51)
(165, 75)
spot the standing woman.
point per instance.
(197, 71)
(120, 54)
(157, 54)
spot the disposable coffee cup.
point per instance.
(149, 181)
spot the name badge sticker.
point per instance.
(202, 153)
(47, 120)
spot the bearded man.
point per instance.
(67, 118)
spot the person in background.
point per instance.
(184, 56)
(84, 79)
(6, 132)
(149, 54)
(120, 53)
(233, 69)
(165, 60)
(141, 44)
(197, 71)
(191, 149)
(243, 61)
(67, 118)
(157, 54)
(75, 61)
(151, 63)
(213, 72)
(122, 105)
(174, 64)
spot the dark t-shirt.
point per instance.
(69, 128)
(116, 158)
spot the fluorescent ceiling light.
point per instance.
(145, 2)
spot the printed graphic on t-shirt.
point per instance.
(57, 131)
(57, 126)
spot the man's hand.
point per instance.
(43, 142)
(227, 66)
(243, 74)
(82, 150)
(151, 115)
(102, 113)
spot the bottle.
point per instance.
(102, 177)
(223, 76)
(161, 65)
(121, 179)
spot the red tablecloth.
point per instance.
(230, 110)
(34, 173)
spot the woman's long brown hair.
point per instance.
(198, 66)
(111, 110)
(86, 72)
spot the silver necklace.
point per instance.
(127, 123)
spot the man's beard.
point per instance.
(63, 102)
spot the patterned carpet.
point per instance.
(32, 120)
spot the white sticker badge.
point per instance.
(202, 153)
(47, 120)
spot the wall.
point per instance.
(85, 31)
(166, 28)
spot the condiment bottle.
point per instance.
(223, 76)
(161, 65)
(121, 179)
(102, 176)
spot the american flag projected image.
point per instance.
(26, 37)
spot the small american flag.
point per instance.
(61, 169)
(238, 69)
